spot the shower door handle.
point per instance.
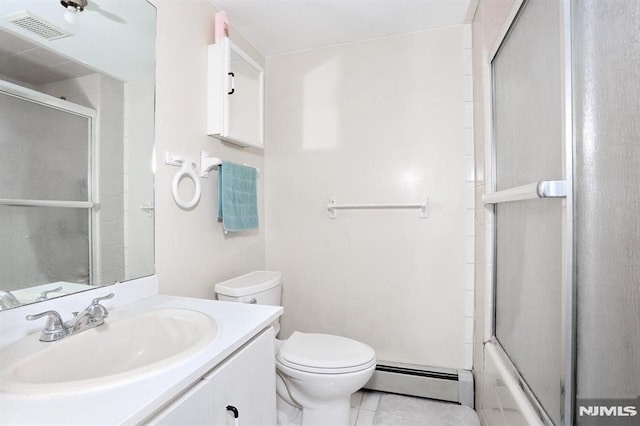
(541, 189)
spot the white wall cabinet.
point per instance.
(243, 384)
(235, 105)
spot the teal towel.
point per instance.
(237, 197)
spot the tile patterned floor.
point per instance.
(371, 408)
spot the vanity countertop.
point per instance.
(131, 403)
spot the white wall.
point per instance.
(192, 252)
(377, 121)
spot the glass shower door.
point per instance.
(45, 196)
(606, 52)
(528, 150)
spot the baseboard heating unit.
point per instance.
(427, 382)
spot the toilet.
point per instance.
(316, 373)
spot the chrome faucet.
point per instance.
(55, 328)
(8, 300)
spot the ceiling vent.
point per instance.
(36, 25)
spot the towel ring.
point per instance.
(188, 169)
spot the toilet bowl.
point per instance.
(320, 372)
(316, 373)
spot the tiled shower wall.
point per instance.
(377, 121)
(470, 178)
(139, 209)
(487, 23)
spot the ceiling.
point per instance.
(116, 37)
(277, 27)
(26, 62)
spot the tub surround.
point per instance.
(377, 121)
(136, 401)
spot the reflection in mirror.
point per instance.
(76, 134)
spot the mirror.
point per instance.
(77, 95)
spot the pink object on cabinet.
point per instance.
(221, 26)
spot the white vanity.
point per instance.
(231, 374)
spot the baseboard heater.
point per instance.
(427, 382)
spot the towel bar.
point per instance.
(422, 205)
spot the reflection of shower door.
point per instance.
(530, 212)
(45, 189)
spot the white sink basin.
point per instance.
(122, 350)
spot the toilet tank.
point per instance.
(260, 287)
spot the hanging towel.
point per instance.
(237, 197)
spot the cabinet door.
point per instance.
(246, 382)
(235, 105)
(192, 408)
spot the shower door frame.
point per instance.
(568, 291)
(92, 203)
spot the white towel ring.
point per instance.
(188, 169)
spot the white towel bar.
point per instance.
(422, 205)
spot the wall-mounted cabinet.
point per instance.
(235, 96)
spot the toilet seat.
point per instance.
(325, 354)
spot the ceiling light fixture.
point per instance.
(73, 7)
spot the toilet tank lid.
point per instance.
(253, 282)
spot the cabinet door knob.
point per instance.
(234, 410)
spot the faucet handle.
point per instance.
(54, 328)
(98, 311)
(97, 300)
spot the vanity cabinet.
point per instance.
(245, 383)
(191, 408)
(235, 103)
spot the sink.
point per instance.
(126, 348)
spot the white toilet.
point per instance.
(316, 373)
